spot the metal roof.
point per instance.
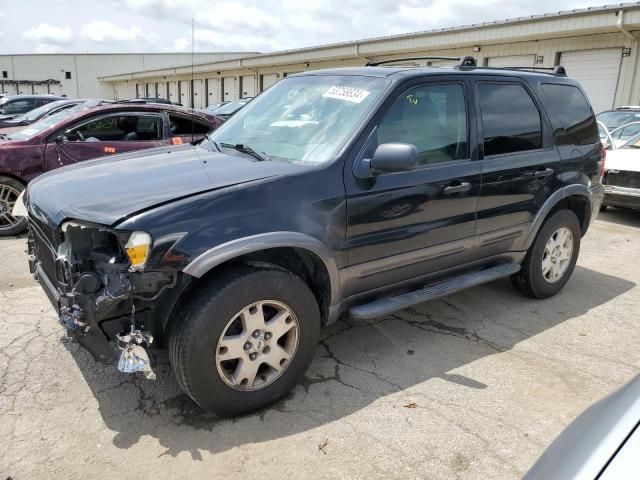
(424, 33)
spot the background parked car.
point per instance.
(215, 106)
(621, 124)
(622, 175)
(230, 108)
(14, 105)
(8, 125)
(106, 129)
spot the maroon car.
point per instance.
(89, 132)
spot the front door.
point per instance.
(104, 135)
(402, 226)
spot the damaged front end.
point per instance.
(95, 278)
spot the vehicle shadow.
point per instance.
(621, 216)
(355, 365)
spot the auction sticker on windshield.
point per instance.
(350, 94)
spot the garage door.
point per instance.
(512, 61)
(267, 80)
(173, 92)
(198, 93)
(161, 90)
(213, 91)
(248, 84)
(229, 89)
(597, 71)
(151, 90)
(185, 93)
(140, 90)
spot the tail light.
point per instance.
(603, 161)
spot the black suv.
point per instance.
(356, 191)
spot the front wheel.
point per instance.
(10, 190)
(552, 257)
(245, 339)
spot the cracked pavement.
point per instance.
(475, 385)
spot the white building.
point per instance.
(598, 46)
(77, 75)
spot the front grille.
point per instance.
(44, 253)
(621, 178)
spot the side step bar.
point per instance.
(384, 306)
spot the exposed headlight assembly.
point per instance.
(138, 247)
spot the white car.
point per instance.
(622, 175)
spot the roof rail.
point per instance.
(557, 70)
(462, 61)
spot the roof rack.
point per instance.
(462, 61)
(557, 70)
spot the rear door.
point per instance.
(104, 135)
(408, 224)
(520, 165)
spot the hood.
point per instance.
(627, 159)
(108, 190)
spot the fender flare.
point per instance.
(553, 200)
(220, 254)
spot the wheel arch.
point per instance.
(301, 254)
(576, 198)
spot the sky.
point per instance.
(74, 26)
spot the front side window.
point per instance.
(182, 126)
(302, 119)
(145, 127)
(510, 120)
(431, 117)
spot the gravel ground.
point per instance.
(475, 385)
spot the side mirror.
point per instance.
(389, 158)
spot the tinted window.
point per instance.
(18, 106)
(510, 120)
(571, 115)
(431, 117)
(118, 128)
(185, 126)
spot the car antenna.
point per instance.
(193, 92)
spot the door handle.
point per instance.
(457, 188)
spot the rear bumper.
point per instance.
(597, 197)
(622, 196)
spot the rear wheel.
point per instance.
(10, 190)
(245, 339)
(552, 257)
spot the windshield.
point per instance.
(302, 119)
(614, 120)
(633, 142)
(45, 123)
(40, 111)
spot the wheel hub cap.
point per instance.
(557, 255)
(257, 345)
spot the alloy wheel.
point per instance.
(257, 345)
(557, 255)
(8, 197)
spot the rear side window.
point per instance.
(571, 115)
(510, 120)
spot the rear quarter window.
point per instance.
(571, 115)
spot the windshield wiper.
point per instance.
(245, 149)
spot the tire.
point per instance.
(202, 326)
(530, 280)
(10, 188)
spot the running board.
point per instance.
(387, 305)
